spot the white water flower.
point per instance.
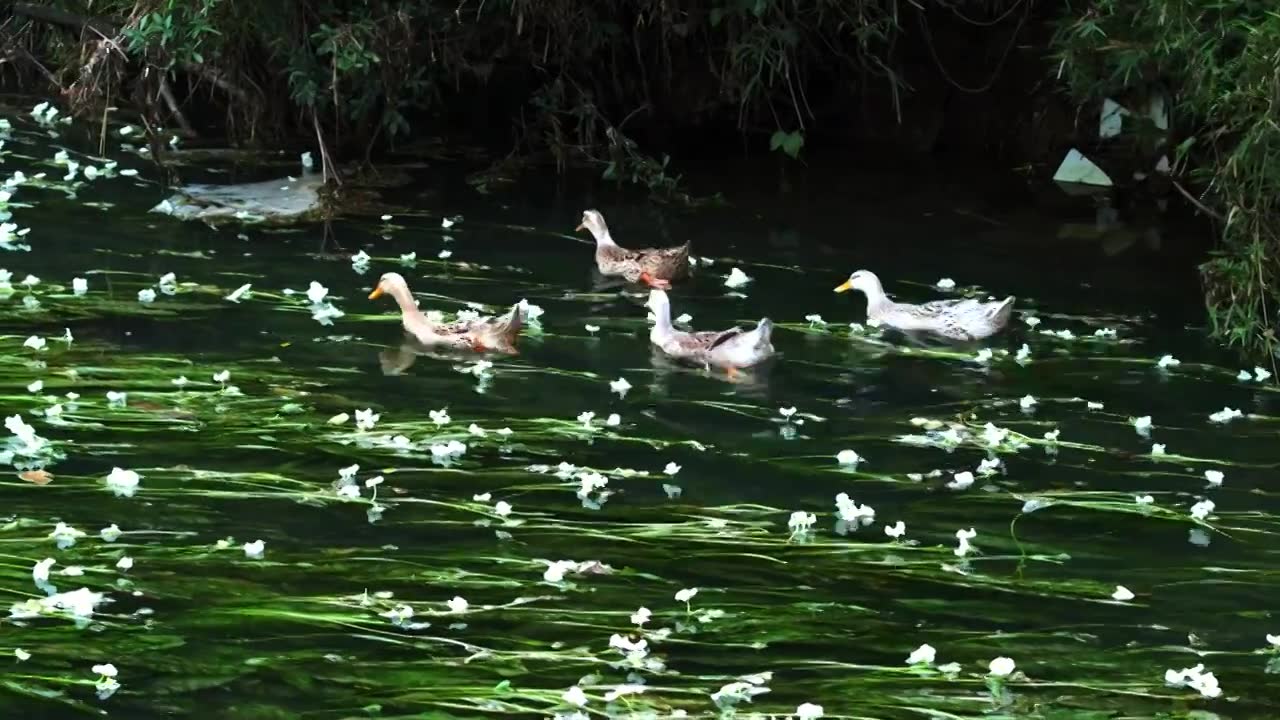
(961, 481)
(502, 508)
(360, 261)
(222, 376)
(787, 412)
(1027, 402)
(815, 320)
(736, 278)
(684, 319)
(65, 536)
(440, 417)
(852, 513)
(79, 286)
(316, 293)
(1274, 640)
(35, 343)
(35, 386)
(1260, 374)
(168, 283)
(1225, 415)
(896, 530)
(848, 457)
(575, 696)
(146, 295)
(1168, 361)
(1244, 376)
(946, 284)
(923, 655)
(620, 386)
(641, 616)
(1107, 333)
(1215, 477)
(366, 419)
(1158, 449)
(989, 466)
(671, 469)
(124, 483)
(447, 223)
(458, 604)
(801, 522)
(21, 655)
(40, 571)
(115, 397)
(444, 254)
(592, 329)
(1122, 593)
(125, 564)
(984, 356)
(686, 595)
(110, 533)
(964, 536)
(1202, 509)
(1002, 667)
(1142, 424)
(1024, 354)
(585, 418)
(1195, 678)
(613, 420)
(255, 550)
(808, 711)
(30, 281)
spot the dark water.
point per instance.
(201, 630)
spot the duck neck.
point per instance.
(602, 236)
(877, 301)
(404, 298)
(662, 321)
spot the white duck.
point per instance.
(958, 319)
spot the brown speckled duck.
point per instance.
(482, 334)
(728, 349)
(655, 267)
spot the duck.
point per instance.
(655, 267)
(964, 319)
(728, 349)
(481, 335)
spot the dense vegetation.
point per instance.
(604, 84)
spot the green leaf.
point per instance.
(717, 15)
(776, 141)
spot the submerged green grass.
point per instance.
(249, 420)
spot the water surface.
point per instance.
(317, 627)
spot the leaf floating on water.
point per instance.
(37, 477)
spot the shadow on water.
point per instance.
(442, 538)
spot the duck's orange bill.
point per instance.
(377, 293)
(846, 285)
(581, 227)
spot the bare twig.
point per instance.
(1194, 201)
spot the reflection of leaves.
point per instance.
(790, 143)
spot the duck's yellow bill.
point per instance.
(377, 293)
(846, 285)
(581, 227)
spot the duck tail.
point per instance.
(509, 325)
(1002, 312)
(764, 330)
